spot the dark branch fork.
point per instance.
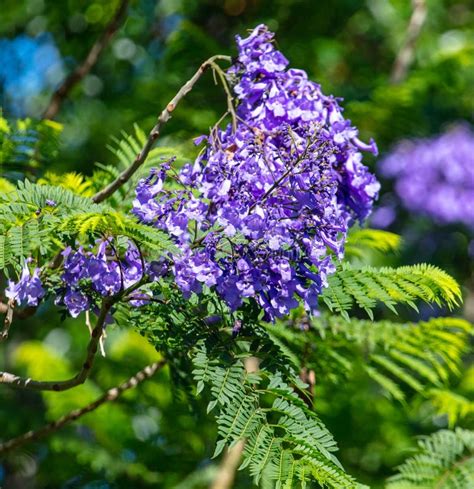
(109, 396)
(80, 378)
(85, 67)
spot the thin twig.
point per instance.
(85, 67)
(407, 51)
(80, 378)
(230, 99)
(109, 396)
(88, 322)
(164, 117)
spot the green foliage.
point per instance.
(398, 357)
(445, 460)
(127, 149)
(399, 109)
(28, 198)
(113, 223)
(6, 186)
(455, 406)
(29, 226)
(367, 286)
(25, 144)
(75, 182)
(360, 240)
(285, 442)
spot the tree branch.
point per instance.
(11, 313)
(228, 467)
(80, 378)
(109, 396)
(164, 117)
(91, 59)
(407, 51)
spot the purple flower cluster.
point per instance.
(87, 274)
(435, 177)
(259, 214)
(28, 289)
(270, 198)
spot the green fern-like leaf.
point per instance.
(75, 182)
(29, 225)
(27, 143)
(416, 355)
(285, 442)
(114, 223)
(129, 146)
(454, 406)
(29, 198)
(360, 240)
(399, 357)
(445, 460)
(125, 149)
(368, 286)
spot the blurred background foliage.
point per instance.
(348, 46)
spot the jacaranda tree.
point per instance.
(244, 263)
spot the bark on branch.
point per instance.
(164, 117)
(80, 378)
(109, 396)
(85, 67)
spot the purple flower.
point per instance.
(29, 289)
(435, 177)
(75, 266)
(157, 268)
(132, 266)
(76, 302)
(265, 203)
(102, 272)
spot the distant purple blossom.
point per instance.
(435, 176)
(267, 203)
